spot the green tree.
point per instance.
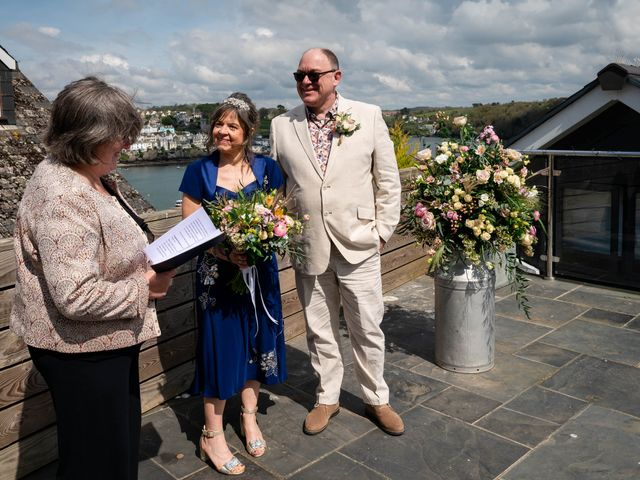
(169, 121)
(405, 152)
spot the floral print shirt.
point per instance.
(321, 131)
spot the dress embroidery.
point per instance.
(208, 272)
(269, 363)
(208, 269)
(206, 300)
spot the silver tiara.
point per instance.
(238, 103)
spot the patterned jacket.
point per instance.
(80, 267)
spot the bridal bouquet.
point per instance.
(471, 201)
(257, 225)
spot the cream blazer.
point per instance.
(356, 202)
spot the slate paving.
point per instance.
(561, 403)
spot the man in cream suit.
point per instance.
(347, 181)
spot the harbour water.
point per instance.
(159, 183)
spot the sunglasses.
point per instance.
(313, 76)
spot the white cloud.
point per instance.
(410, 52)
(264, 32)
(49, 31)
(205, 74)
(107, 60)
(395, 84)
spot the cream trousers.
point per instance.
(359, 287)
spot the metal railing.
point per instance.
(550, 172)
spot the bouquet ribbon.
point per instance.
(250, 277)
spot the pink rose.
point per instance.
(280, 229)
(536, 215)
(464, 148)
(420, 210)
(428, 221)
(532, 231)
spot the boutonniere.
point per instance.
(345, 125)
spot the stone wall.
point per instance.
(21, 149)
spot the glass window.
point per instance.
(586, 223)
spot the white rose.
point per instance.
(424, 155)
(485, 236)
(514, 180)
(483, 176)
(512, 154)
(460, 121)
(442, 158)
(348, 125)
(526, 240)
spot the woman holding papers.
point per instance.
(84, 291)
(239, 345)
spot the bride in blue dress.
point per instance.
(235, 353)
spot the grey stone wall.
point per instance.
(21, 149)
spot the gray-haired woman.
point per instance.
(84, 290)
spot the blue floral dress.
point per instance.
(232, 346)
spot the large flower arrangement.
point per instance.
(257, 225)
(471, 202)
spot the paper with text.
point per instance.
(194, 231)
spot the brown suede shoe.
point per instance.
(318, 418)
(386, 418)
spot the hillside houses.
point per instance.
(158, 135)
(166, 138)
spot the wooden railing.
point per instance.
(27, 418)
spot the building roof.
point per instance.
(7, 60)
(612, 84)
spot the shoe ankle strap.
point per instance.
(211, 433)
(248, 411)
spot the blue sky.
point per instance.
(393, 53)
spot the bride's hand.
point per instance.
(239, 259)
